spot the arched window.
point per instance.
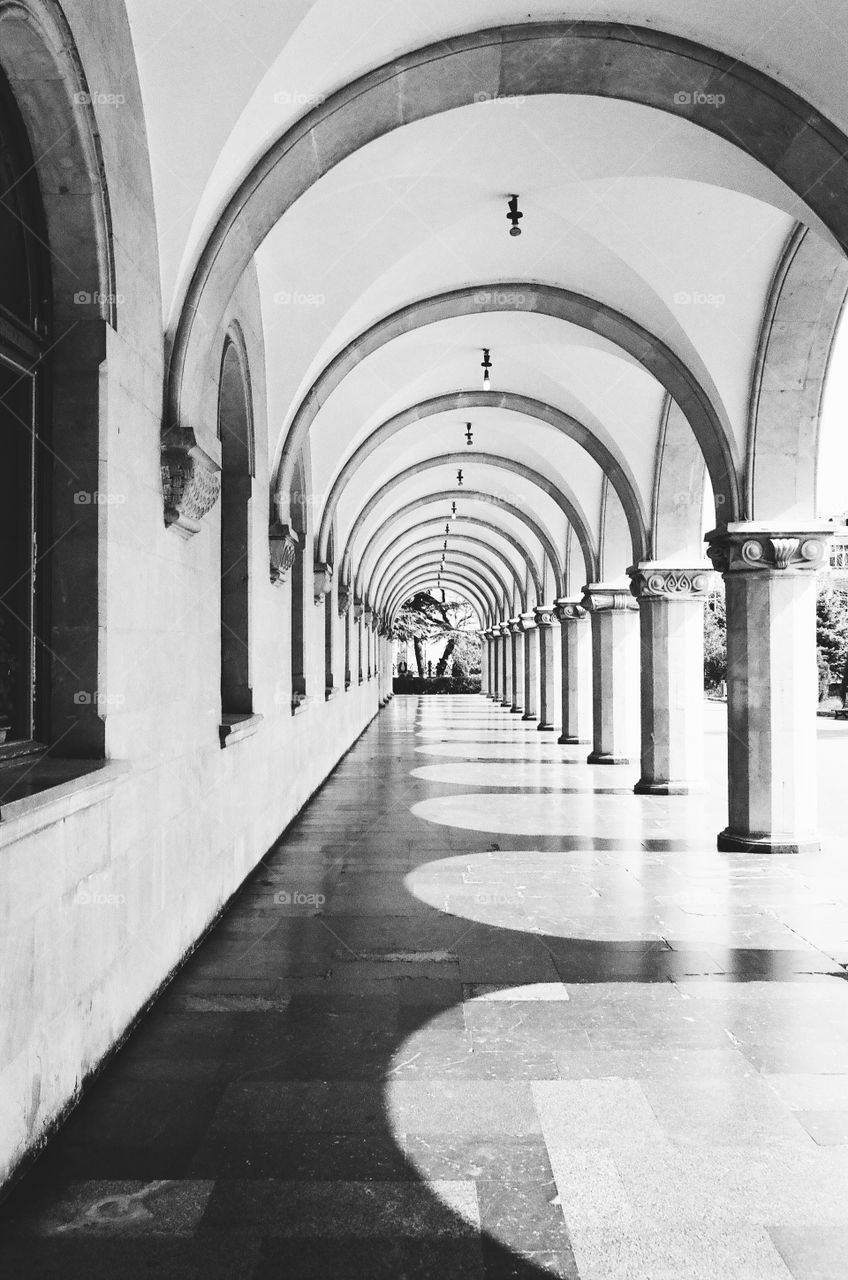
(299, 516)
(235, 429)
(24, 294)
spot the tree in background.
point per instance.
(832, 638)
(424, 618)
(715, 640)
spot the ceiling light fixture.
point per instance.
(459, 476)
(514, 216)
(453, 508)
(469, 439)
(486, 365)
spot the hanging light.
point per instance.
(459, 476)
(453, 508)
(445, 545)
(486, 365)
(514, 216)
(469, 439)
(447, 528)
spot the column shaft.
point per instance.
(547, 688)
(516, 639)
(576, 674)
(615, 673)
(506, 667)
(531, 665)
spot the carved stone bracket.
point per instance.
(514, 625)
(368, 618)
(599, 598)
(569, 610)
(545, 617)
(282, 547)
(357, 609)
(666, 582)
(527, 621)
(345, 600)
(191, 484)
(323, 581)
(745, 548)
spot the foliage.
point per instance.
(440, 684)
(832, 635)
(424, 618)
(715, 640)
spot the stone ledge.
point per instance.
(234, 728)
(32, 813)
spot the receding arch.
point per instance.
(475, 495)
(427, 579)
(477, 522)
(490, 589)
(494, 577)
(566, 503)
(702, 407)
(806, 300)
(602, 450)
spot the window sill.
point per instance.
(236, 727)
(55, 790)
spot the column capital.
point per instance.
(600, 597)
(568, 610)
(514, 625)
(544, 615)
(357, 609)
(283, 547)
(345, 599)
(323, 581)
(502, 628)
(652, 581)
(747, 547)
(527, 621)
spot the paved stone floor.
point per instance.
(485, 1014)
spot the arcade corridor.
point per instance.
(480, 1014)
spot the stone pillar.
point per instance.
(495, 665)
(531, 664)
(367, 620)
(506, 666)
(615, 673)
(484, 663)
(576, 675)
(545, 620)
(772, 686)
(357, 617)
(516, 638)
(671, 626)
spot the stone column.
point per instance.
(484, 663)
(357, 617)
(545, 620)
(576, 675)
(615, 673)
(671, 626)
(531, 664)
(495, 665)
(367, 620)
(506, 666)
(772, 686)
(516, 636)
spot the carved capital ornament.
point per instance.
(745, 548)
(282, 546)
(664, 582)
(191, 485)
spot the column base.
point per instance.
(729, 842)
(506, 704)
(546, 728)
(646, 788)
(604, 757)
(528, 715)
(568, 741)
(516, 711)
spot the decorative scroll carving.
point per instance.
(746, 548)
(658, 582)
(282, 546)
(191, 484)
(569, 611)
(345, 600)
(544, 616)
(514, 625)
(599, 598)
(323, 581)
